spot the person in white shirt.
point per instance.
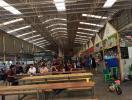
(32, 70)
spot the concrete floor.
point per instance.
(100, 92)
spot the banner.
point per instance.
(90, 44)
(109, 31)
(97, 39)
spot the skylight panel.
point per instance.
(58, 32)
(109, 3)
(37, 39)
(88, 29)
(58, 24)
(12, 21)
(32, 37)
(40, 41)
(9, 8)
(21, 28)
(94, 16)
(54, 19)
(85, 33)
(92, 24)
(60, 5)
(58, 29)
(25, 34)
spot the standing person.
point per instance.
(93, 62)
(18, 68)
(87, 63)
(23, 66)
(32, 69)
(5, 67)
(78, 64)
(27, 68)
(3, 75)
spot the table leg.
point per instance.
(92, 92)
(46, 96)
(3, 97)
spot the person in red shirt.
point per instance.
(11, 76)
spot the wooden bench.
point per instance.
(19, 76)
(48, 78)
(89, 99)
(41, 88)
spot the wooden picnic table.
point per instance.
(60, 77)
(16, 90)
(50, 73)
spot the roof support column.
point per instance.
(60, 52)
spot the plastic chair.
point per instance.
(107, 75)
(114, 71)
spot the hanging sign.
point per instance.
(97, 39)
(98, 47)
(109, 31)
(90, 44)
(110, 42)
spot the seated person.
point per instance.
(3, 75)
(68, 67)
(32, 69)
(11, 76)
(54, 69)
(43, 69)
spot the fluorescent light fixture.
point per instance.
(45, 42)
(88, 29)
(80, 42)
(109, 3)
(55, 35)
(21, 28)
(43, 45)
(40, 41)
(81, 36)
(62, 36)
(94, 16)
(58, 29)
(58, 32)
(81, 39)
(86, 33)
(63, 19)
(92, 24)
(26, 34)
(58, 24)
(59, 35)
(11, 21)
(32, 37)
(37, 39)
(10, 8)
(39, 16)
(60, 5)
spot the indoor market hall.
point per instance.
(65, 49)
